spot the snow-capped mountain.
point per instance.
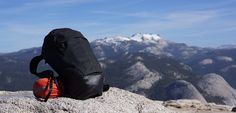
(160, 47)
(138, 37)
(143, 43)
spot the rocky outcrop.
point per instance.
(182, 89)
(195, 106)
(113, 101)
(215, 89)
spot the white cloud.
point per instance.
(172, 20)
(191, 17)
(142, 14)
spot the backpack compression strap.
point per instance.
(50, 90)
(33, 68)
(51, 80)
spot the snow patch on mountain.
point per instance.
(206, 61)
(115, 39)
(136, 37)
(225, 58)
(137, 43)
(145, 37)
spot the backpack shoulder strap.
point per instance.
(33, 68)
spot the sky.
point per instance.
(203, 23)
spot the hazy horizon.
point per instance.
(194, 22)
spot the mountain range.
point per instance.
(148, 65)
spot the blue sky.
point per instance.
(204, 23)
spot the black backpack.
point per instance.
(68, 52)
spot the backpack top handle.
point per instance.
(33, 68)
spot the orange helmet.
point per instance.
(41, 88)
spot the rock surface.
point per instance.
(195, 106)
(113, 101)
(215, 89)
(181, 89)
